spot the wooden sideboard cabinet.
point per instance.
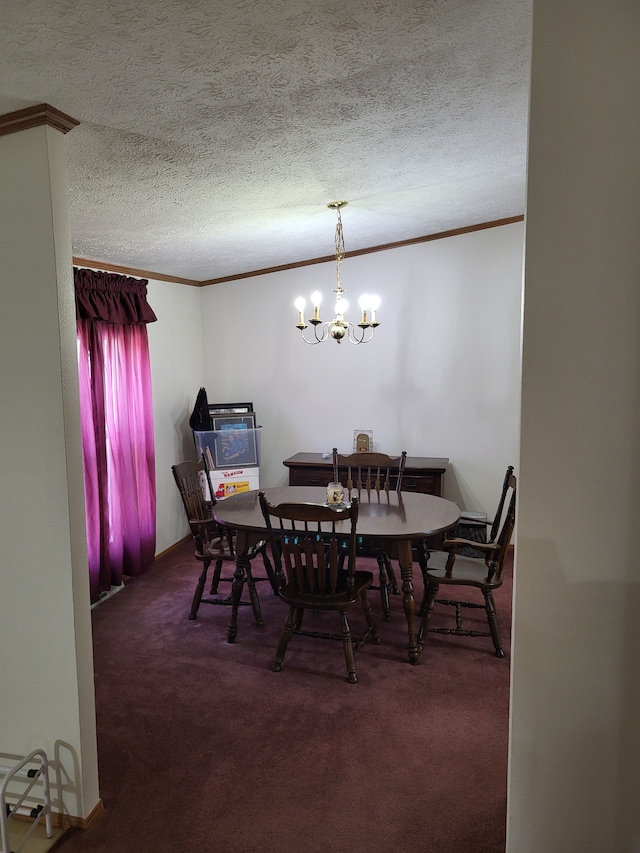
(422, 473)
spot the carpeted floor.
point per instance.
(203, 748)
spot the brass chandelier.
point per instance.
(339, 328)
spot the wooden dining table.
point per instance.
(394, 520)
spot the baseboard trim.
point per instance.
(60, 820)
(173, 547)
(67, 821)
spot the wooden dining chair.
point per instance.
(307, 547)
(215, 543)
(450, 569)
(379, 474)
(483, 528)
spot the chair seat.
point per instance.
(221, 549)
(361, 581)
(217, 549)
(468, 571)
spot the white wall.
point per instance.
(46, 667)
(575, 742)
(175, 349)
(441, 377)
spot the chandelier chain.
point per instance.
(339, 243)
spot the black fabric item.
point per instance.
(469, 530)
(200, 420)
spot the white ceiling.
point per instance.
(213, 134)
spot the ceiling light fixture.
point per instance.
(339, 328)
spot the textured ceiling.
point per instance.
(213, 134)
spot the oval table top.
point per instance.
(396, 515)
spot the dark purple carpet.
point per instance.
(203, 748)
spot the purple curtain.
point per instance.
(117, 425)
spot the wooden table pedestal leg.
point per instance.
(253, 595)
(241, 575)
(405, 561)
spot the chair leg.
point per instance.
(268, 565)
(368, 615)
(384, 588)
(285, 636)
(428, 602)
(237, 586)
(253, 595)
(393, 582)
(347, 643)
(197, 596)
(423, 556)
(215, 580)
(493, 623)
(425, 595)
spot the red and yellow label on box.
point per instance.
(224, 490)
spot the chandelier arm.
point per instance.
(353, 337)
(318, 339)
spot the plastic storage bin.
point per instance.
(233, 447)
(233, 456)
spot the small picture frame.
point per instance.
(362, 440)
(229, 409)
(235, 443)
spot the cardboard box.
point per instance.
(224, 474)
(225, 483)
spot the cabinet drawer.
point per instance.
(424, 485)
(310, 476)
(321, 476)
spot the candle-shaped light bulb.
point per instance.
(316, 299)
(300, 303)
(341, 306)
(365, 304)
(374, 304)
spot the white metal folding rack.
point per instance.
(23, 777)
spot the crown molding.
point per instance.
(35, 116)
(441, 235)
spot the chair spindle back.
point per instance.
(368, 471)
(495, 561)
(307, 546)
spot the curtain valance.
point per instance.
(111, 298)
